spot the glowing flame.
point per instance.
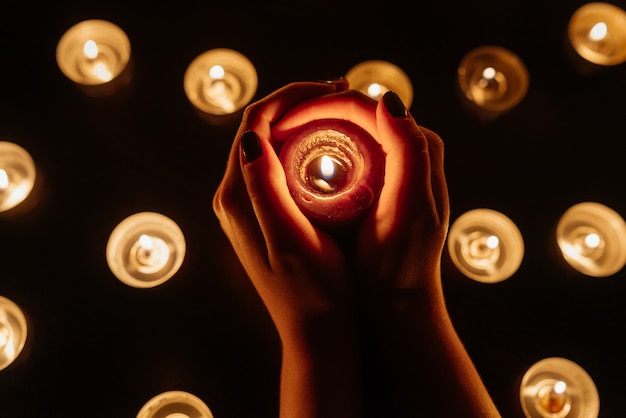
(492, 242)
(375, 90)
(592, 240)
(90, 49)
(598, 31)
(489, 73)
(4, 337)
(327, 167)
(4, 180)
(559, 387)
(217, 72)
(145, 242)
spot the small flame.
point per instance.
(492, 242)
(4, 180)
(489, 73)
(559, 387)
(146, 242)
(90, 49)
(592, 240)
(327, 167)
(217, 72)
(375, 90)
(598, 32)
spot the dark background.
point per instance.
(100, 348)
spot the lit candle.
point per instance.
(492, 80)
(597, 32)
(93, 52)
(375, 77)
(175, 404)
(556, 387)
(485, 245)
(220, 81)
(592, 239)
(13, 331)
(334, 170)
(17, 175)
(145, 250)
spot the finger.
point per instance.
(438, 178)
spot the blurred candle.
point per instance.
(220, 81)
(17, 175)
(145, 249)
(175, 404)
(485, 245)
(492, 80)
(597, 32)
(375, 77)
(93, 52)
(592, 239)
(556, 387)
(13, 331)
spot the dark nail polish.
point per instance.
(394, 105)
(251, 146)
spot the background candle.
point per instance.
(13, 331)
(485, 245)
(375, 77)
(17, 175)
(597, 32)
(592, 239)
(220, 81)
(556, 387)
(334, 170)
(145, 250)
(175, 404)
(492, 80)
(93, 52)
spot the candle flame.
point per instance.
(375, 90)
(327, 167)
(90, 49)
(489, 73)
(592, 240)
(559, 387)
(4, 180)
(492, 242)
(146, 242)
(217, 72)
(598, 32)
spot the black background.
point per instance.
(100, 348)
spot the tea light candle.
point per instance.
(592, 239)
(556, 387)
(145, 249)
(93, 52)
(492, 80)
(17, 175)
(13, 331)
(485, 245)
(175, 404)
(376, 77)
(220, 81)
(334, 170)
(597, 32)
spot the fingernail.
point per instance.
(394, 105)
(332, 81)
(251, 146)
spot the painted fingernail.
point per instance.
(394, 105)
(251, 146)
(332, 81)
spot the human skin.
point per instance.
(324, 295)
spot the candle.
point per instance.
(375, 77)
(597, 32)
(485, 245)
(145, 250)
(13, 331)
(93, 52)
(334, 170)
(556, 387)
(492, 80)
(220, 81)
(592, 239)
(175, 404)
(17, 175)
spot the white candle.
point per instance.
(17, 175)
(556, 387)
(13, 332)
(220, 81)
(376, 77)
(145, 250)
(597, 32)
(175, 404)
(492, 80)
(485, 245)
(93, 52)
(592, 239)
